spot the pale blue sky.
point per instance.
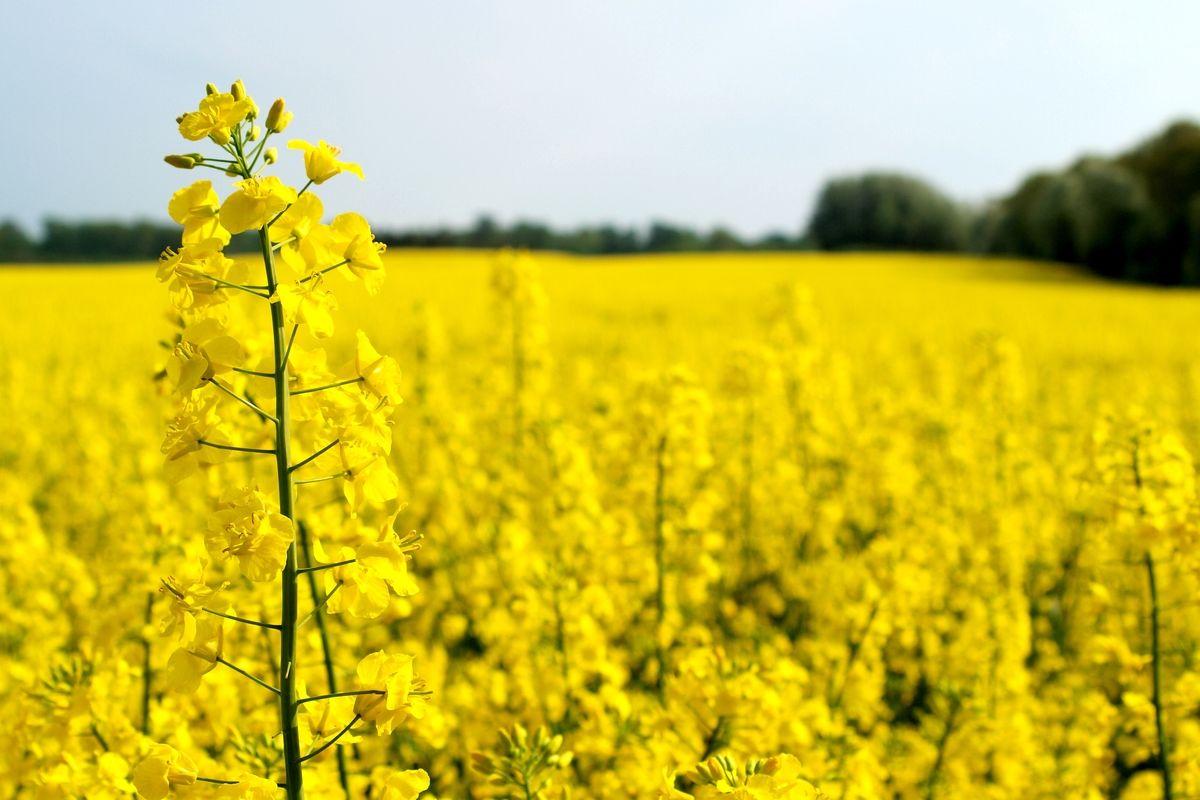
(691, 111)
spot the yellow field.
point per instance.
(892, 515)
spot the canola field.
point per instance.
(761, 526)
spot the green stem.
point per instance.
(242, 400)
(242, 620)
(316, 612)
(222, 782)
(258, 150)
(326, 386)
(99, 738)
(147, 670)
(319, 567)
(234, 448)
(326, 651)
(315, 455)
(660, 565)
(334, 740)
(935, 774)
(332, 695)
(247, 675)
(319, 273)
(221, 282)
(275, 218)
(290, 601)
(254, 372)
(716, 738)
(322, 479)
(291, 341)
(1164, 756)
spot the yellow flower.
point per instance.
(246, 526)
(293, 226)
(369, 479)
(388, 559)
(195, 208)
(192, 273)
(346, 241)
(402, 695)
(320, 161)
(255, 202)
(380, 374)
(204, 351)
(185, 601)
(308, 303)
(163, 768)
(351, 587)
(195, 659)
(362, 253)
(394, 784)
(321, 720)
(181, 446)
(217, 115)
(378, 569)
(359, 417)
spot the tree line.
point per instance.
(64, 241)
(1133, 216)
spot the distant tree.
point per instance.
(485, 233)
(1111, 217)
(1135, 217)
(15, 245)
(780, 241)
(529, 235)
(886, 211)
(1168, 166)
(720, 239)
(616, 240)
(665, 238)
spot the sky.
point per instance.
(571, 112)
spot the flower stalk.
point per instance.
(258, 527)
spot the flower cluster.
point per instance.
(265, 429)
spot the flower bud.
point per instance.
(277, 117)
(255, 132)
(210, 88)
(238, 90)
(181, 162)
(271, 155)
(233, 172)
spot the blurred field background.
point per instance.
(905, 502)
(654, 310)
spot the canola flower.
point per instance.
(262, 419)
